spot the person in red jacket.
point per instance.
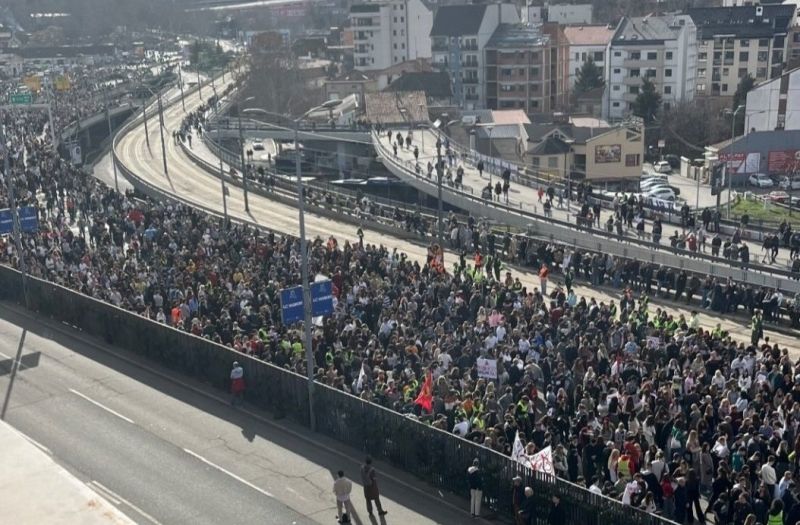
(237, 384)
(544, 272)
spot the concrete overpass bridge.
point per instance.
(523, 209)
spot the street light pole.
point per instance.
(306, 285)
(199, 84)
(224, 190)
(161, 129)
(180, 85)
(439, 169)
(491, 128)
(241, 152)
(144, 114)
(733, 148)
(111, 137)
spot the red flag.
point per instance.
(425, 397)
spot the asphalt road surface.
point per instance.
(171, 452)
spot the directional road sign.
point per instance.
(292, 301)
(20, 98)
(28, 220)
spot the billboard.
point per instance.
(785, 161)
(607, 153)
(741, 162)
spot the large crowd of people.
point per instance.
(637, 403)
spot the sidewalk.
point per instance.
(526, 198)
(35, 489)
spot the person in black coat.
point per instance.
(556, 515)
(681, 501)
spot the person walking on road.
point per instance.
(237, 384)
(342, 488)
(369, 478)
(544, 273)
(475, 477)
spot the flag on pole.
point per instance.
(518, 452)
(425, 397)
(362, 375)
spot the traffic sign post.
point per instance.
(28, 220)
(293, 304)
(20, 99)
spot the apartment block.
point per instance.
(390, 32)
(458, 40)
(587, 42)
(660, 48)
(736, 41)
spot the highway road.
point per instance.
(172, 452)
(195, 186)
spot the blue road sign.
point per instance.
(6, 222)
(292, 304)
(321, 298)
(28, 220)
(292, 301)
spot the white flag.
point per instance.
(518, 452)
(542, 461)
(361, 376)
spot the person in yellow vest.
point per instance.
(775, 516)
(625, 468)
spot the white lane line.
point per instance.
(111, 495)
(229, 473)
(33, 441)
(103, 491)
(101, 405)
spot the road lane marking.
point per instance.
(32, 441)
(113, 496)
(229, 473)
(101, 405)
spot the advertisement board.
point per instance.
(785, 161)
(607, 153)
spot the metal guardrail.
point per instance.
(596, 239)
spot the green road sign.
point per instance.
(21, 98)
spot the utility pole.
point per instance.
(14, 217)
(111, 137)
(161, 129)
(241, 152)
(224, 191)
(310, 365)
(144, 114)
(439, 169)
(180, 85)
(199, 84)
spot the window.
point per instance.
(744, 56)
(616, 71)
(535, 72)
(667, 90)
(634, 55)
(634, 73)
(402, 7)
(403, 45)
(394, 32)
(395, 46)
(744, 43)
(725, 88)
(667, 106)
(742, 72)
(761, 73)
(667, 72)
(583, 57)
(577, 56)
(535, 162)
(577, 70)
(701, 87)
(763, 56)
(726, 71)
(633, 90)
(778, 41)
(598, 56)
(668, 55)
(650, 73)
(617, 53)
(402, 19)
(701, 72)
(632, 160)
(615, 104)
(552, 162)
(652, 55)
(395, 20)
(616, 87)
(764, 42)
(702, 56)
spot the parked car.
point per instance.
(652, 183)
(665, 194)
(790, 184)
(674, 161)
(258, 145)
(760, 180)
(662, 166)
(777, 196)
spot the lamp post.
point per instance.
(110, 137)
(303, 262)
(161, 131)
(489, 169)
(180, 85)
(733, 149)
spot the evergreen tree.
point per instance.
(648, 101)
(590, 76)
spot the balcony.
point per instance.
(469, 80)
(471, 96)
(469, 47)
(440, 46)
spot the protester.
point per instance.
(342, 487)
(369, 479)
(475, 478)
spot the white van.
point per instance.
(662, 166)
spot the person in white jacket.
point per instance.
(342, 487)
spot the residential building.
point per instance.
(775, 152)
(517, 69)
(660, 48)
(587, 42)
(574, 152)
(774, 104)
(388, 32)
(734, 42)
(435, 85)
(352, 83)
(458, 40)
(567, 14)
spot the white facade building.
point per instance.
(587, 42)
(567, 14)
(661, 48)
(774, 104)
(386, 33)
